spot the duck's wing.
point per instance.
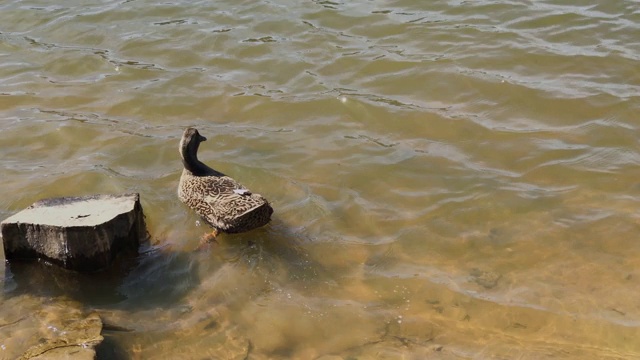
(218, 185)
(225, 200)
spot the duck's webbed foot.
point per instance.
(207, 239)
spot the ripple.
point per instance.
(413, 151)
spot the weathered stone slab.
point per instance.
(77, 233)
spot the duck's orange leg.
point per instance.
(208, 238)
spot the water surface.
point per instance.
(451, 179)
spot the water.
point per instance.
(451, 179)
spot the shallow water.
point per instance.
(451, 179)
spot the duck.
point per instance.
(221, 201)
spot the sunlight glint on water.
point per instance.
(450, 179)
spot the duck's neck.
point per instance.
(195, 166)
(190, 160)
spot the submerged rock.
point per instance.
(77, 233)
(77, 340)
(486, 279)
(52, 328)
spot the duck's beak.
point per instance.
(202, 138)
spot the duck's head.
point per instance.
(189, 143)
(191, 138)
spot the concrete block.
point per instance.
(77, 233)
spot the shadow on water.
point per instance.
(153, 275)
(275, 250)
(140, 293)
(161, 277)
(111, 349)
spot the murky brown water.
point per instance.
(451, 179)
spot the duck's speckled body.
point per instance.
(220, 200)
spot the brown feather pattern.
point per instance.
(220, 200)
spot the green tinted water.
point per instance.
(450, 179)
